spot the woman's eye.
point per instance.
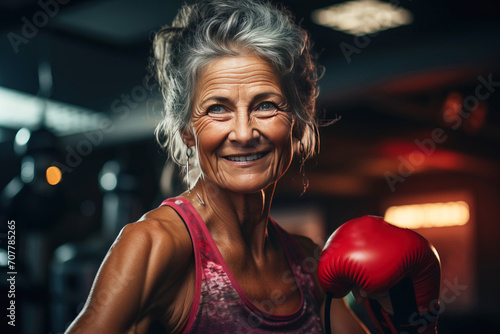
(216, 109)
(267, 106)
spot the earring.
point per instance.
(189, 155)
(305, 180)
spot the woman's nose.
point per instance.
(243, 130)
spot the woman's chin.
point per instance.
(247, 186)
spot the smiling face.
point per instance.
(243, 130)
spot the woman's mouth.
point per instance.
(246, 158)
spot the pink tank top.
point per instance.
(221, 306)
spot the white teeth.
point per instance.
(246, 157)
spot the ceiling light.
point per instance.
(108, 181)
(428, 215)
(22, 136)
(53, 175)
(362, 17)
(22, 110)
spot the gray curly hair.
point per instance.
(210, 29)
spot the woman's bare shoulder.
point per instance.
(163, 220)
(163, 233)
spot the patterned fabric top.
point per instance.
(221, 306)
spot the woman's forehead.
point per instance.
(238, 70)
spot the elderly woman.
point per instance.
(239, 87)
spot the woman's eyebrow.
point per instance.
(216, 98)
(266, 94)
(222, 99)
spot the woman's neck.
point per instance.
(233, 218)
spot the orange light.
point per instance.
(428, 215)
(53, 175)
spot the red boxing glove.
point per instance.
(380, 257)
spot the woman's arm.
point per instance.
(136, 267)
(342, 319)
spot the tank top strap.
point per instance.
(190, 216)
(192, 220)
(198, 229)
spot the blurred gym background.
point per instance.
(414, 83)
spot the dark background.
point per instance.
(390, 94)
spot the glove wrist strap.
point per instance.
(328, 304)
